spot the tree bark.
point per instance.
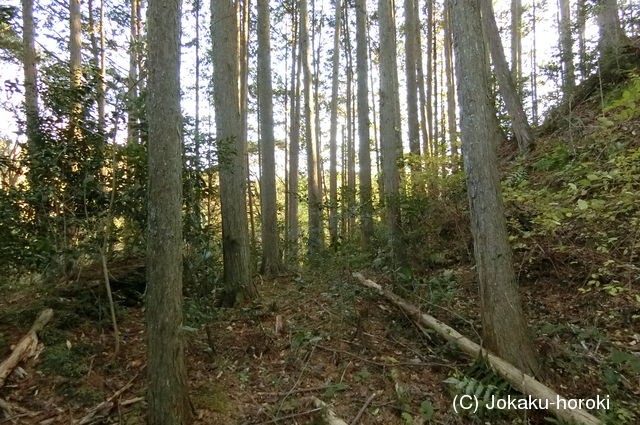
(612, 37)
(566, 50)
(231, 153)
(30, 74)
(350, 189)
(581, 23)
(294, 149)
(268, 199)
(427, 148)
(506, 84)
(333, 130)
(364, 150)
(504, 327)
(315, 241)
(410, 29)
(75, 63)
(132, 119)
(167, 392)
(390, 131)
(516, 42)
(422, 96)
(451, 92)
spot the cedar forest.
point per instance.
(320, 212)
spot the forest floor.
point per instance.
(310, 335)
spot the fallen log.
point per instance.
(524, 383)
(26, 346)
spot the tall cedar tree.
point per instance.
(504, 326)
(231, 153)
(364, 151)
(316, 240)
(30, 73)
(410, 29)
(506, 82)
(390, 133)
(167, 393)
(294, 147)
(333, 129)
(566, 50)
(612, 36)
(75, 64)
(268, 200)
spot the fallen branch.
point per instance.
(103, 410)
(328, 415)
(26, 346)
(524, 383)
(13, 412)
(366, 404)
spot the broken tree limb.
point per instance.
(363, 408)
(103, 410)
(328, 414)
(26, 346)
(524, 383)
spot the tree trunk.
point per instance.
(30, 74)
(333, 131)
(364, 150)
(566, 50)
(376, 133)
(504, 327)
(268, 199)
(75, 63)
(315, 242)
(516, 42)
(410, 29)
(231, 153)
(427, 149)
(534, 64)
(612, 37)
(422, 96)
(132, 119)
(167, 392)
(581, 23)
(294, 149)
(390, 132)
(97, 54)
(350, 198)
(519, 123)
(451, 93)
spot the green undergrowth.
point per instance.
(573, 208)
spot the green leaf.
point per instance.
(582, 204)
(334, 389)
(427, 410)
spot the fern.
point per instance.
(480, 381)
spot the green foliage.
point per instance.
(334, 389)
(67, 360)
(212, 398)
(570, 206)
(442, 288)
(480, 381)
(625, 105)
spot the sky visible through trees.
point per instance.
(53, 40)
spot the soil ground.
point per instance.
(311, 335)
